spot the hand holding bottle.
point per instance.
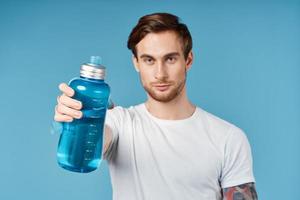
(82, 109)
(67, 108)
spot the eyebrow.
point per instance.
(165, 56)
(173, 54)
(145, 56)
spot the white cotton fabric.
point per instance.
(189, 159)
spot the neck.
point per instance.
(178, 108)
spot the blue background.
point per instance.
(246, 70)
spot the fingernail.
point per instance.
(78, 114)
(70, 120)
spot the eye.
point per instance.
(148, 61)
(171, 60)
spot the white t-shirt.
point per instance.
(188, 159)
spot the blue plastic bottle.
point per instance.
(80, 144)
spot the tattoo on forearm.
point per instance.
(241, 192)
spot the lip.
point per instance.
(162, 87)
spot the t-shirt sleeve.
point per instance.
(112, 123)
(237, 160)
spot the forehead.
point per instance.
(159, 44)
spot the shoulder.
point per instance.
(219, 127)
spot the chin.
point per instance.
(163, 96)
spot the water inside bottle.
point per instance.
(80, 145)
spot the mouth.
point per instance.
(161, 87)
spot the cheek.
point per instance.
(179, 74)
(145, 77)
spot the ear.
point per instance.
(189, 60)
(135, 63)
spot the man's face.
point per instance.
(162, 66)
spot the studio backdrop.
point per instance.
(246, 71)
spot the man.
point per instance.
(167, 148)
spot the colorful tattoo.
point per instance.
(240, 192)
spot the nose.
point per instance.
(161, 72)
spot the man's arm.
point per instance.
(240, 192)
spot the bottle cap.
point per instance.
(93, 69)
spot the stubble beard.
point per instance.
(168, 95)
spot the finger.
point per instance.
(61, 118)
(66, 89)
(64, 110)
(69, 102)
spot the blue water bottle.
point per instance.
(80, 144)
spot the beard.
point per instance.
(168, 95)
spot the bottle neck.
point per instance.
(92, 79)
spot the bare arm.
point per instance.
(245, 191)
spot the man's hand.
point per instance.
(67, 108)
(240, 192)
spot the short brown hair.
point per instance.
(159, 22)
